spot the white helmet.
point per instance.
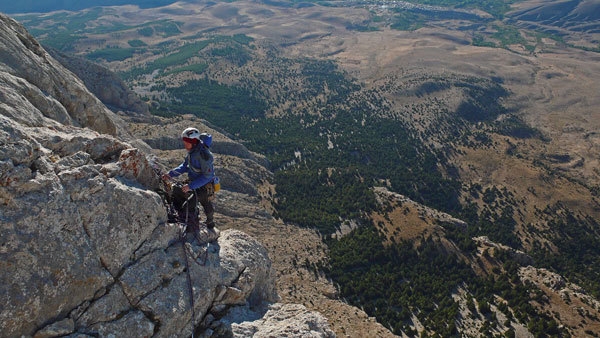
(192, 134)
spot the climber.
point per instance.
(198, 164)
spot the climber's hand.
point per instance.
(186, 188)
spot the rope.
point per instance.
(187, 266)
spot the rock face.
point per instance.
(85, 246)
(103, 83)
(40, 86)
(269, 325)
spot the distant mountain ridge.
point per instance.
(560, 17)
(72, 5)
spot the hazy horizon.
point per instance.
(36, 6)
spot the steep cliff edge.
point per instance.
(104, 84)
(85, 246)
(35, 85)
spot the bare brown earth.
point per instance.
(554, 89)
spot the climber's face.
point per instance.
(188, 145)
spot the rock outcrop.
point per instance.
(41, 86)
(85, 246)
(103, 83)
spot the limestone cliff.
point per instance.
(85, 246)
(103, 83)
(35, 85)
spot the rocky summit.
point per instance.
(85, 245)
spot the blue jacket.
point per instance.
(198, 164)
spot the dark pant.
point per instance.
(187, 203)
(204, 195)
